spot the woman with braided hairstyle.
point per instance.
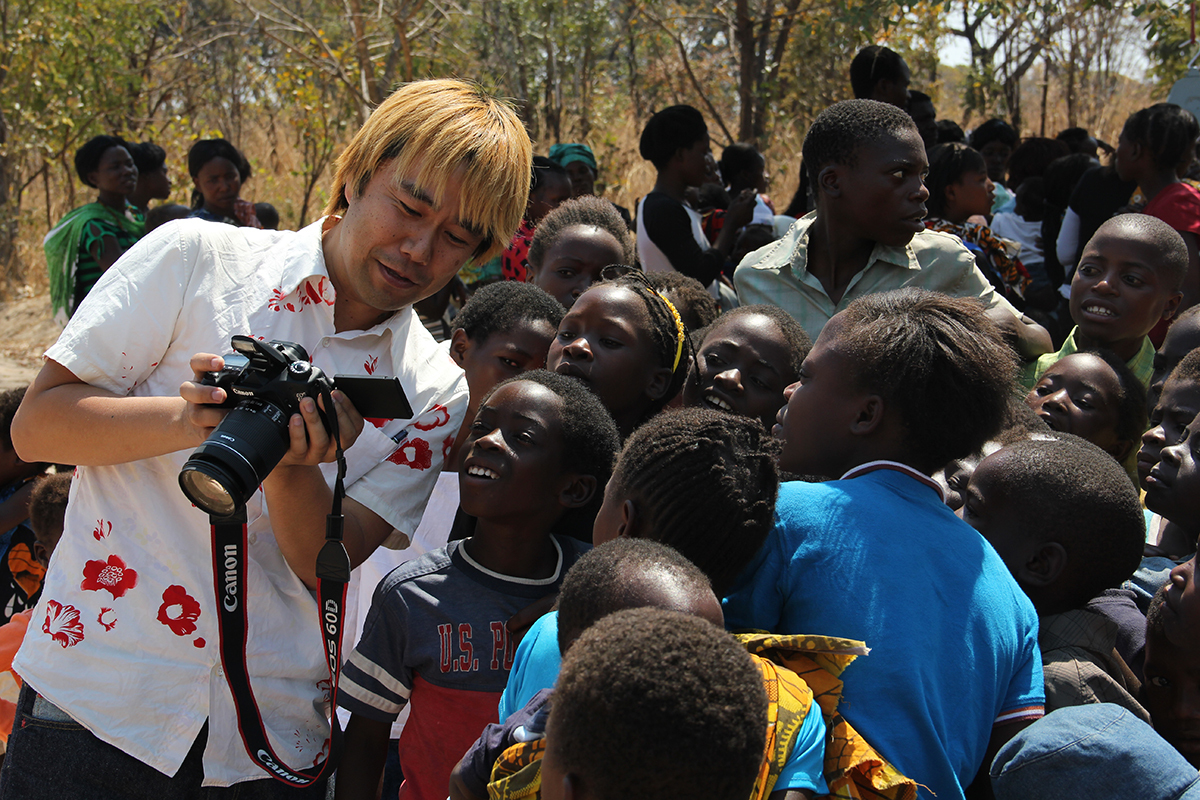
(628, 343)
(699, 480)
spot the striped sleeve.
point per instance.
(376, 681)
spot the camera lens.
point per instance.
(225, 471)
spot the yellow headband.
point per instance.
(679, 329)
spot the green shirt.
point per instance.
(778, 275)
(1142, 362)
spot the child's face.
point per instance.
(1117, 294)
(972, 194)
(574, 262)
(1171, 692)
(996, 154)
(502, 354)
(514, 463)
(1081, 394)
(554, 191)
(1179, 405)
(815, 423)
(995, 515)
(956, 475)
(881, 198)
(1182, 338)
(1173, 485)
(604, 340)
(742, 368)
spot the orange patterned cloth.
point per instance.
(796, 670)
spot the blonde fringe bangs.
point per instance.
(438, 124)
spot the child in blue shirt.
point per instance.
(436, 636)
(895, 386)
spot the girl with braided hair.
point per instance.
(627, 342)
(698, 480)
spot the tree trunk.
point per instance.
(366, 69)
(743, 33)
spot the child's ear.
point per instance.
(578, 491)
(1172, 305)
(829, 180)
(659, 383)
(460, 343)
(631, 521)
(572, 788)
(1044, 567)
(869, 417)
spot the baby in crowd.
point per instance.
(436, 635)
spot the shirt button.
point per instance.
(325, 341)
(252, 538)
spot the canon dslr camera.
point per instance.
(264, 383)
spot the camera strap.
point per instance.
(229, 575)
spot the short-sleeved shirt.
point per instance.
(777, 274)
(878, 557)
(436, 637)
(125, 638)
(1142, 362)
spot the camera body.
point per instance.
(264, 383)
(275, 372)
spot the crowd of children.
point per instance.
(947, 498)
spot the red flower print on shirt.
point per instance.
(440, 417)
(275, 301)
(179, 611)
(414, 453)
(110, 622)
(446, 447)
(100, 531)
(370, 364)
(314, 293)
(63, 623)
(112, 576)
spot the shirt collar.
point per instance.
(873, 466)
(311, 263)
(904, 257)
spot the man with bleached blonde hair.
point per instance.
(126, 693)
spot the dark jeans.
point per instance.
(52, 757)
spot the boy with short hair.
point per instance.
(1066, 521)
(540, 444)
(1130, 276)
(895, 387)
(866, 162)
(621, 726)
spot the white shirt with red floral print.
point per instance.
(125, 636)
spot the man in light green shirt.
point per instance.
(867, 162)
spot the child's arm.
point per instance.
(1030, 339)
(363, 757)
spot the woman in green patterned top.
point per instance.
(88, 240)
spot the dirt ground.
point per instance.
(27, 330)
